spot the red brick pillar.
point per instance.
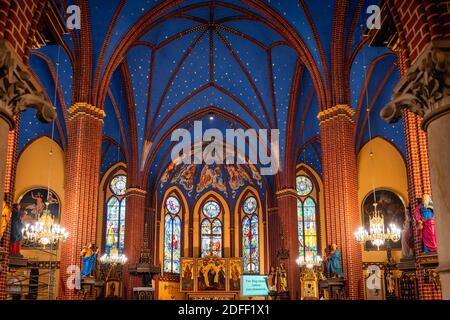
(287, 211)
(340, 186)
(10, 174)
(134, 236)
(79, 217)
(274, 234)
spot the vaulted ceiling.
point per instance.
(159, 65)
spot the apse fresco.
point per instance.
(172, 236)
(33, 202)
(391, 206)
(225, 179)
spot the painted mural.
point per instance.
(226, 179)
(33, 202)
(391, 206)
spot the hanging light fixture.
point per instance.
(45, 231)
(377, 233)
(309, 262)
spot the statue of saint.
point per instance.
(407, 237)
(333, 259)
(426, 222)
(6, 216)
(272, 279)
(88, 256)
(15, 243)
(283, 278)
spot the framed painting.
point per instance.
(235, 274)
(391, 206)
(33, 203)
(187, 275)
(113, 289)
(211, 273)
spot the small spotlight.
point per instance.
(211, 117)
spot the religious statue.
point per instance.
(407, 237)
(6, 216)
(88, 256)
(283, 278)
(272, 279)
(333, 262)
(15, 243)
(426, 222)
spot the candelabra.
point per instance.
(44, 231)
(309, 262)
(377, 234)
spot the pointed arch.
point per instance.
(310, 213)
(221, 239)
(173, 222)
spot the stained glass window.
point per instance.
(250, 236)
(172, 236)
(304, 185)
(211, 209)
(250, 205)
(115, 215)
(307, 228)
(118, 185)
(211, 230)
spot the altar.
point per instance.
(211, 278)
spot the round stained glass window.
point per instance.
(173, 205)
(211, 209)
(250, 205)
(118, 185)
(304, 185)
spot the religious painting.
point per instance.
(373, 283)
(391, 206)
(33, 203)
(256, 175)
(206, 178)
(211, 274)
(187, 274)
(165, 176)
(236, 181)
(113, 289)
(187, 178)
(235, 274)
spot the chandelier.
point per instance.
(45, 231)
(309, 262)
(376, 234)
(113, 258)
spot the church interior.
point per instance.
(224, 149)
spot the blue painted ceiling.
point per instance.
(215, 54)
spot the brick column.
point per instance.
(274, 234)
(134, 236)
(84, 131)
(431, 70)
(340, 186)
(287, 204)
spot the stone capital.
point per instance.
(425, 89)
(18, 90)
(133, 191)
(83, 108)
(340, 110)
(287, 192)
